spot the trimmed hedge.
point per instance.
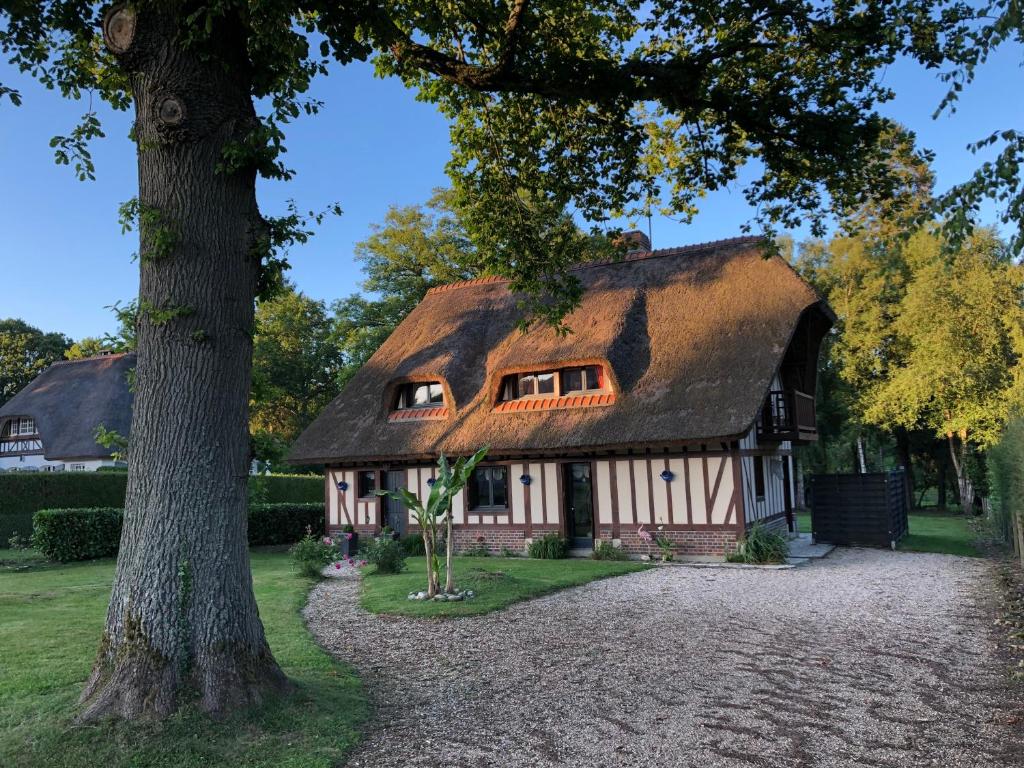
(22, 494)
(292, 489)
(77, 534)
(284, 523)
(85, 534)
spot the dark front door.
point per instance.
(579, 505)
(394, 510)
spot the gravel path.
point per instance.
(867, 658)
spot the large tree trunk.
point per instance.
(182, 620)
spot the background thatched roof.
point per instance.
(71, 398)
(692, 337)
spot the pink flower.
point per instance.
(337, 566)
(646, 536)
(328, 541)
(348, 536)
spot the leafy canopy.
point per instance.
(597, 108)
(25, 352)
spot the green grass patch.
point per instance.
(943, 534)
(50, 625)
(20, 559)
(498, 582)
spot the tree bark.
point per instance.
(449, 551)
(182, 621)
(965, 488)
(861, 463)
(429, 542)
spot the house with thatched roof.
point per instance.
(672, 407)
(51, 424)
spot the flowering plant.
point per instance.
(312, 553)
(665, 545)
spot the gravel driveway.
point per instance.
(866, 658)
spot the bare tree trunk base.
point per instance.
(142, 686)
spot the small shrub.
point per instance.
(477, 550)
(549, 547)
(666, 548)
(385, 554)
(605, 550)
(506, 552)
(312, 553)
(413, 546)
(760, 547)
(77, 534)
(17, 541)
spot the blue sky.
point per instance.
(63, 258)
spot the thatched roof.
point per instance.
(692, 338)
(71, 398)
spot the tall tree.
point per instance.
(963, 325)
(295, 370)
(992, 25)
(412, 250)
(595, 107)
(25, 351)
(863, 273)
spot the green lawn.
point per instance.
(497, 582)
(929, 532)
(17, 559)
(50, 624)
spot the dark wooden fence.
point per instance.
(867, 510)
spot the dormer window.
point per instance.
(23, 425)
(586, 379)
(566, 381)
(419, 395)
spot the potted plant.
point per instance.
(348, 541)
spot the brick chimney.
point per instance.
(636, 242)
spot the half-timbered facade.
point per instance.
(50, 426)
(673, 405)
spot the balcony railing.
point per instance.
(788, 415)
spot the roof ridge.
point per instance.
(91, 358)
(636, 256)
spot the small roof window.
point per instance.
(578, 380)
(427, 394)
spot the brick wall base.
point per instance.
(494, 540)
(713, 542)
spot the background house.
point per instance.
(51, 424)
(673, 404)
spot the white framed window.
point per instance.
(425, 395)
(76, 467)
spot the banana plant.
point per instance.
(451, 478)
